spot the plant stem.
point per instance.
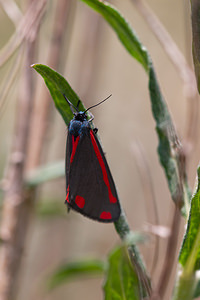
(17, 203)
(169, 46)
(185, 288)
(186, 281)
(123, 229)
(170, 253)
(39, 121)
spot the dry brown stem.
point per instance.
(170, 256)
(184, 70)
(12, 10)
(149, 196)
(41, 109)
(88, 60)
(18, 201)
(16, 207)
(9, 80)
(26, 30)
(170, 47)
(192, 109)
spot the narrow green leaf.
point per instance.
(123, 229)
(169, 147)
(189, 256)
(169, 154)
(195, 8)
(185, 287)
(190, 251)
(123, 30)
(121, 281)
(50, 209)
(87, 267)
(58, 86)
(45, 173)
(197, 289)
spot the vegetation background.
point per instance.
(96, 65)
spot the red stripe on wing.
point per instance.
(67, 197)
(101, 162)
(74, 146)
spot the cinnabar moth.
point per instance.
(90, 187)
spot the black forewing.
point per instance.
(67, 158)
(85, 179)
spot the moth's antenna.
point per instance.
(70, 104)
(98, 103)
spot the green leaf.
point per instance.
(197, 289)
(121, 281)
(169, 147)
(185, 288)
(169, 154)
(58, 86)
(123, 30)
(195, 8)
(49, 209)
(45, 173)
(189, 256)
(72, 270)
(190, 251)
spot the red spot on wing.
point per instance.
(106, 215)
(74, 146)
(101, 162)
(80, 201)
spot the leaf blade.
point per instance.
(75, 269)
(58, 86)
(192, 237)
(189, 256)
(170, 155)
(45, 173)
(123, 30)
(121, 281)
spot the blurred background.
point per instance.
(95, 64)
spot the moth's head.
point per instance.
(80, 116)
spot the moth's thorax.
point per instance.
(77, 126)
